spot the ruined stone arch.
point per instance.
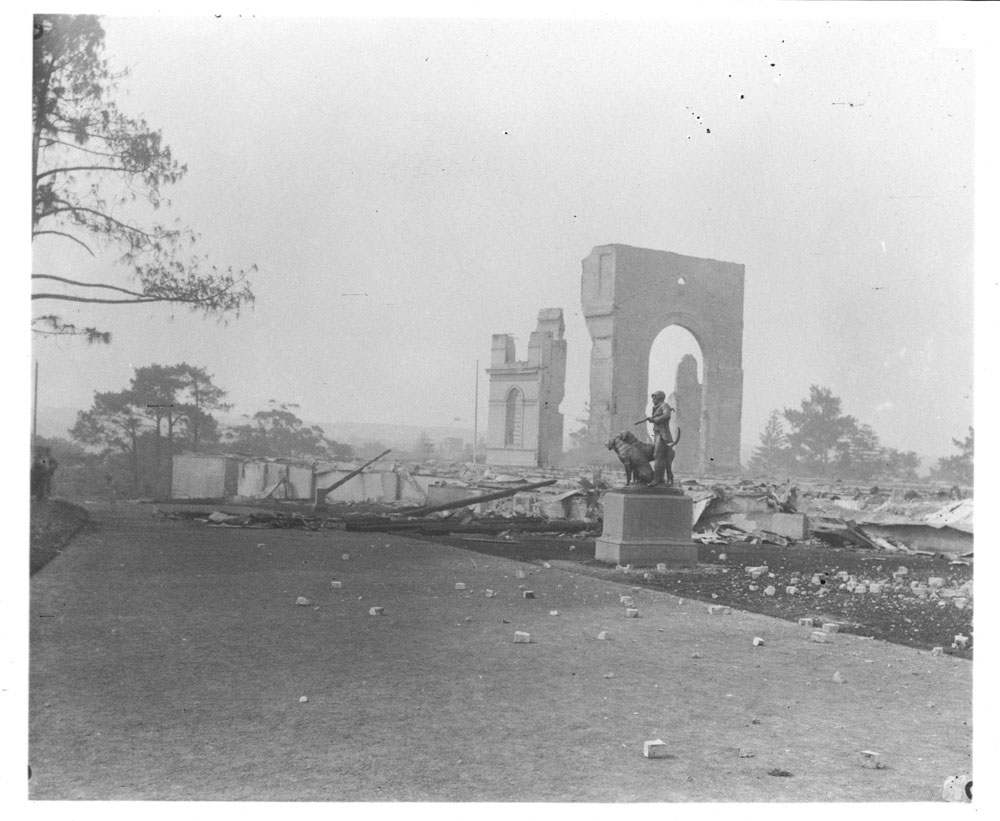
(629, 296)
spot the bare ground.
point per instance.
(168, 661)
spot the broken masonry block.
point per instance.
(376, 611)
(920, 592)
(960, 602)
(346, 556)
(603, 635)
(961, 641)
(520, 574)
(756, 568)
(901, 571)
(791, 590)
(937, 651)
(303, 601)
(303, 699)
(838, 678)
(528, 594)
(805, 622)
(460, 585)
(647, 576)
(831, 627)
(957, 788)
(754, 588)
(819, 636)
(546, 565)
(490, 594)
(875, 589)
(655, 749)
(631, 613)
(521, 637)
(336, 584)
(680, 602)
(871, 760)
(719, 610)
(661, 568)
(626, 601)
(860, 589)
(935, 581)
(769, 590)
(553, 612)
(758, 641)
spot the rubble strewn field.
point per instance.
(895, 613)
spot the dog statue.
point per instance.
(636, 457)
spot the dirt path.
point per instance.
(168, 661)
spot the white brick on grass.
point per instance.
(546, 565)
(769, 590)
(490, 594)
(819, 636)
(553, 612)
(661, 568)
(346, 556)
(937, 651)
(860, 589)
(460, 585)
(520, 574)
(603, 635)
(935, 581)
(626, 601)
(376, 611)
(521, 637)
(302, 601)
(871, 760)
(719, 610)
(336, 585)
(631, 613)
(655, 749)
(758, 641)
(791, 590)
(831, 627)
(805, 622)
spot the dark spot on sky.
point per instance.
(708, 130)
(772, 65)
(741, 96)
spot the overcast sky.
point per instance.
(408, 188)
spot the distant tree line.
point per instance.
(123, 445)
(818, 440)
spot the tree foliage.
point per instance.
(96, 175)
(278, 432)
(772, 454)
(822, 441)
(958, 468)
(164, 409)
(817, 429)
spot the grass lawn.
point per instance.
(169, 660)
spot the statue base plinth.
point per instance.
(646, 526)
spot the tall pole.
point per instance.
(34, 415)
(475, 421)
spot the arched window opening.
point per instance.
(514, 418)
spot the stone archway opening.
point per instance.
(677, 367)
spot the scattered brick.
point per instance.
(553, 612)
(769, 590)
(805, 622)
(603, 635)
(758, 641)
(376, 611)
(937, 651)
(838, 678)
(491, 594)
(935, 581)
(460, 585)
(719, 610)
(655, 749)
(336, 584)
(831, 627)
(520, 574)
(819, 636)
(791, 590)
(521, 637)
(631, 613)
(528, 594)
(303, 601)
(871, 760)
(346, 556)
(627, 601)
(303, 699)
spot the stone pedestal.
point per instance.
(647, 526)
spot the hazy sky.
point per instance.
(408, 188)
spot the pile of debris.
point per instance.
(256, 520)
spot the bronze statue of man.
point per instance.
(662, 440)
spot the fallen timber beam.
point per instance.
(441, 527)
(475, 500)
(321, 492)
